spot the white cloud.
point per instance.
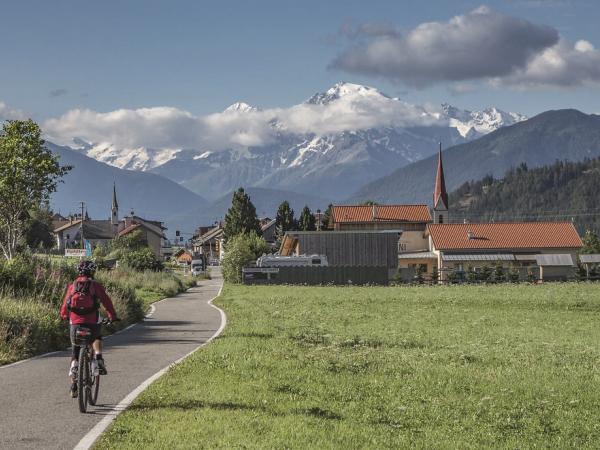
(563, 65)
(480, 44)
(7, 113)
(172, 128)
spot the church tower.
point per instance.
(440, 196)
(114, 216)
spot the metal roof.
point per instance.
(561, 259)
(589, 259)
(417, 255)
(479, 257)
(525, 257)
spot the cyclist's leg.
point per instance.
(75, 349)
(97, 346)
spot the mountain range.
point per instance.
(365, 135)
(553, 135)
(388, 163)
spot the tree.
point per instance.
(29, 173)
(39, 228)
(307, 220)
(327, 218)
(242, 249)
(284, 220)
(241, 216)
(591, 243)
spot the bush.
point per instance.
(142, 259)
(241, 250)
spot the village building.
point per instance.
(549, 249)
(183, 257)
(69, 232)
(269, 230)
(209, 244)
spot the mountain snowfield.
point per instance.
(329, 145)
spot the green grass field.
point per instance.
(505, 366)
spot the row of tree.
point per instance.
(241, 218)
(242, 232)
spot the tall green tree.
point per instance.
(29, 173)
(241, 216)
(327, 219)
(307, 220)
(284, 220)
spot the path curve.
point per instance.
(35, 408)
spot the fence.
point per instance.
(356, 275)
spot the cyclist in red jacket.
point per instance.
(86, 289)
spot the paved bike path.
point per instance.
(36, 410)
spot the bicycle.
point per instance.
(88, 382)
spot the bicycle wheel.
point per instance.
(82, 377)
(95, 387)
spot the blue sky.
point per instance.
(203, 56)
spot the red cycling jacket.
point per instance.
(97, 290)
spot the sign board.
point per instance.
(260, 270)
(75, 252)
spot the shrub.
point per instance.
(240, 251)
(142, 259)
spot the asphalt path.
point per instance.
(36, 410)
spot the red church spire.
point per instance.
(440, 194)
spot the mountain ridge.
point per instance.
(362, 135)
(556, 134)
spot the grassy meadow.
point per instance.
(505, 366)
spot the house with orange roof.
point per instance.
(548, 249)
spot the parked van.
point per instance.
(291, 261)
(197, 266)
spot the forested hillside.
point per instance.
(561, 191)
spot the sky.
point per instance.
(198, 57)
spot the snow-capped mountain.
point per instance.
(471, 125)
(331, 144)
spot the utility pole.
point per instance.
(82, 218)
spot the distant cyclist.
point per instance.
(81, 306)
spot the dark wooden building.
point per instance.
(346, 248)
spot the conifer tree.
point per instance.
(326, 220)
(284, 220)
(241, 216)
(307, 220)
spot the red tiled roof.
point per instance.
(380, 213)
(514, 235)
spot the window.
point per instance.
(316, 261)
(441, 219)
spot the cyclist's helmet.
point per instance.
(87, 268)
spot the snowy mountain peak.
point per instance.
(343, 89)
(476, 123)
(240, 107)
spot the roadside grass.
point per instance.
(504, 366)
(31, 292)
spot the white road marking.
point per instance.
(90, 438)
